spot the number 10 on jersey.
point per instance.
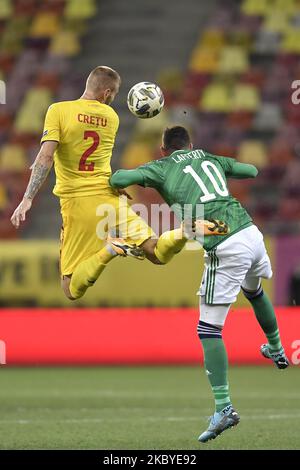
(213, 174)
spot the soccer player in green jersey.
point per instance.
(234, 261)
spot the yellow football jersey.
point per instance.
(85, 131)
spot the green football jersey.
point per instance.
(194, 184)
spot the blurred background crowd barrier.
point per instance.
(29, 277)
(135, 336)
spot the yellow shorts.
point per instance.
(87, 222)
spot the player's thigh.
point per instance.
(213, 314)
(131, 226)
(80, 238)
(261, 266)
(224, 273)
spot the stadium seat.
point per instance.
(80, 9)
(32, 112)
(6, 9)
(268, 117)
(45, 25)
(65, 43)
(12, 38)
(3, 197)
(233, 59)
(253, 151)
(204, 60)
(291, 41)
(215, 98)
(12, 158)
(289, 7)
(255, 7)
(276, 21)
(213, 38)
(245, 97)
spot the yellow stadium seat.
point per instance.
(277, 21)
(253, 151)
(80, 9)
(291, 41)
(65, 43)
(245, 98)
(32, 112)
(255, 7)
(6, 9)
(289, 7)
(135, 154)
(3, 197)
(13, 35)
(215, 98)
(204, 59)
(233, 59)
(45, 25)
(212, 38)
(12, 158)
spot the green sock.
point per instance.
(265, 315)
(216, 365)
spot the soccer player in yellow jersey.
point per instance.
(78, 138)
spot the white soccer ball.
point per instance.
(145, 100)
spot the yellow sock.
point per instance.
(87, 272)
(168, 244)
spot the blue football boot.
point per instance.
(219, 422)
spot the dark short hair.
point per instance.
(176, 138)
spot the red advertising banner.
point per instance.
(132, 336)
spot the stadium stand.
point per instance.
(234, 92)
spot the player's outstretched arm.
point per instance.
(39, 173)
(124, 178)
(243, 170)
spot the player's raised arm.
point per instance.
(40, 170)
(242, 171)
(124, 178)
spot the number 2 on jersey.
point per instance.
(83, 165)
(219, 186)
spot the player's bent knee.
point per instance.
(65, 285)
(253, 294)
(207, 330)
(149, 249)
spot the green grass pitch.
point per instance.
(144, 408)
